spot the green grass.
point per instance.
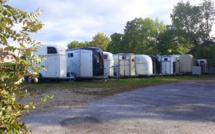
(111, 86)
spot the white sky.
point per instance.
(69, 20)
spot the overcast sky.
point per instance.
(69, 20)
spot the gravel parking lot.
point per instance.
(186, 107)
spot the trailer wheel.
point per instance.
(35, 80)
(40, 78)
(29, 80)
(26, 78)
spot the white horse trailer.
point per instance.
(176, 64)
(124, 64)
(86, 62)
(166, 65)
(186, 63)
(144, 65)
(203, 64)
(156, 65)
(55, 63)
(116, 65)
(108, 64)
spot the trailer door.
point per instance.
(51, 69)
(122, 65)
(86, 63)
(166, 66)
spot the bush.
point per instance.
(205, 52)
(12, 74)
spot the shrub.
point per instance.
(12, 73)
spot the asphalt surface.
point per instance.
(178, 108)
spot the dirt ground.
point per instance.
(186, 107)
(62, 99)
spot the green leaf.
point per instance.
(10, 73)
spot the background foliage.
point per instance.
(190, 28)
(99, 40)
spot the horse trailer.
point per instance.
(166, 65)
(144, 65)
(186, 63)
(156, 65)
(176, 64)
(124, 64)
(108, 64)
(203, 64)
(85, 62)
(55, 63)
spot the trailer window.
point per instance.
(165, 59)
(177, 59)
(105, 56)
(70, 54)
(124, 57)
(51, 50)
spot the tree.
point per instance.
(132, 37)
(169, 43)
(115, 45)
(140, 35)
(193, 23)
(77, 44)
(100, 40)
(205, 52)
(12, 73)
(208, 18)
(185, 19)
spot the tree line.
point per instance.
(190, 31)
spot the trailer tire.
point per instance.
(26, 78)
(40, 78)
(35, 80)
(29, 80)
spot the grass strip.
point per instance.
(110, 87)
